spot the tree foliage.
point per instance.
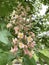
(39, 27)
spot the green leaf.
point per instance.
(28, 61)
(6, 57)
(45, 52)
(4, 36)
(43, 57)
(40, 61)
(6, 6)
(3, 59)
(45, 1)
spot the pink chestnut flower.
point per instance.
(16, 28)
(13, 50)
(14, 40)
(26, 51)
(9, 25)
(33, 44)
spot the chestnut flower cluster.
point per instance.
(21, 24)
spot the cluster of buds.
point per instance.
(21, 24)
(23, 42)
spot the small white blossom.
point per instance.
(21, 45)
(20, 35)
